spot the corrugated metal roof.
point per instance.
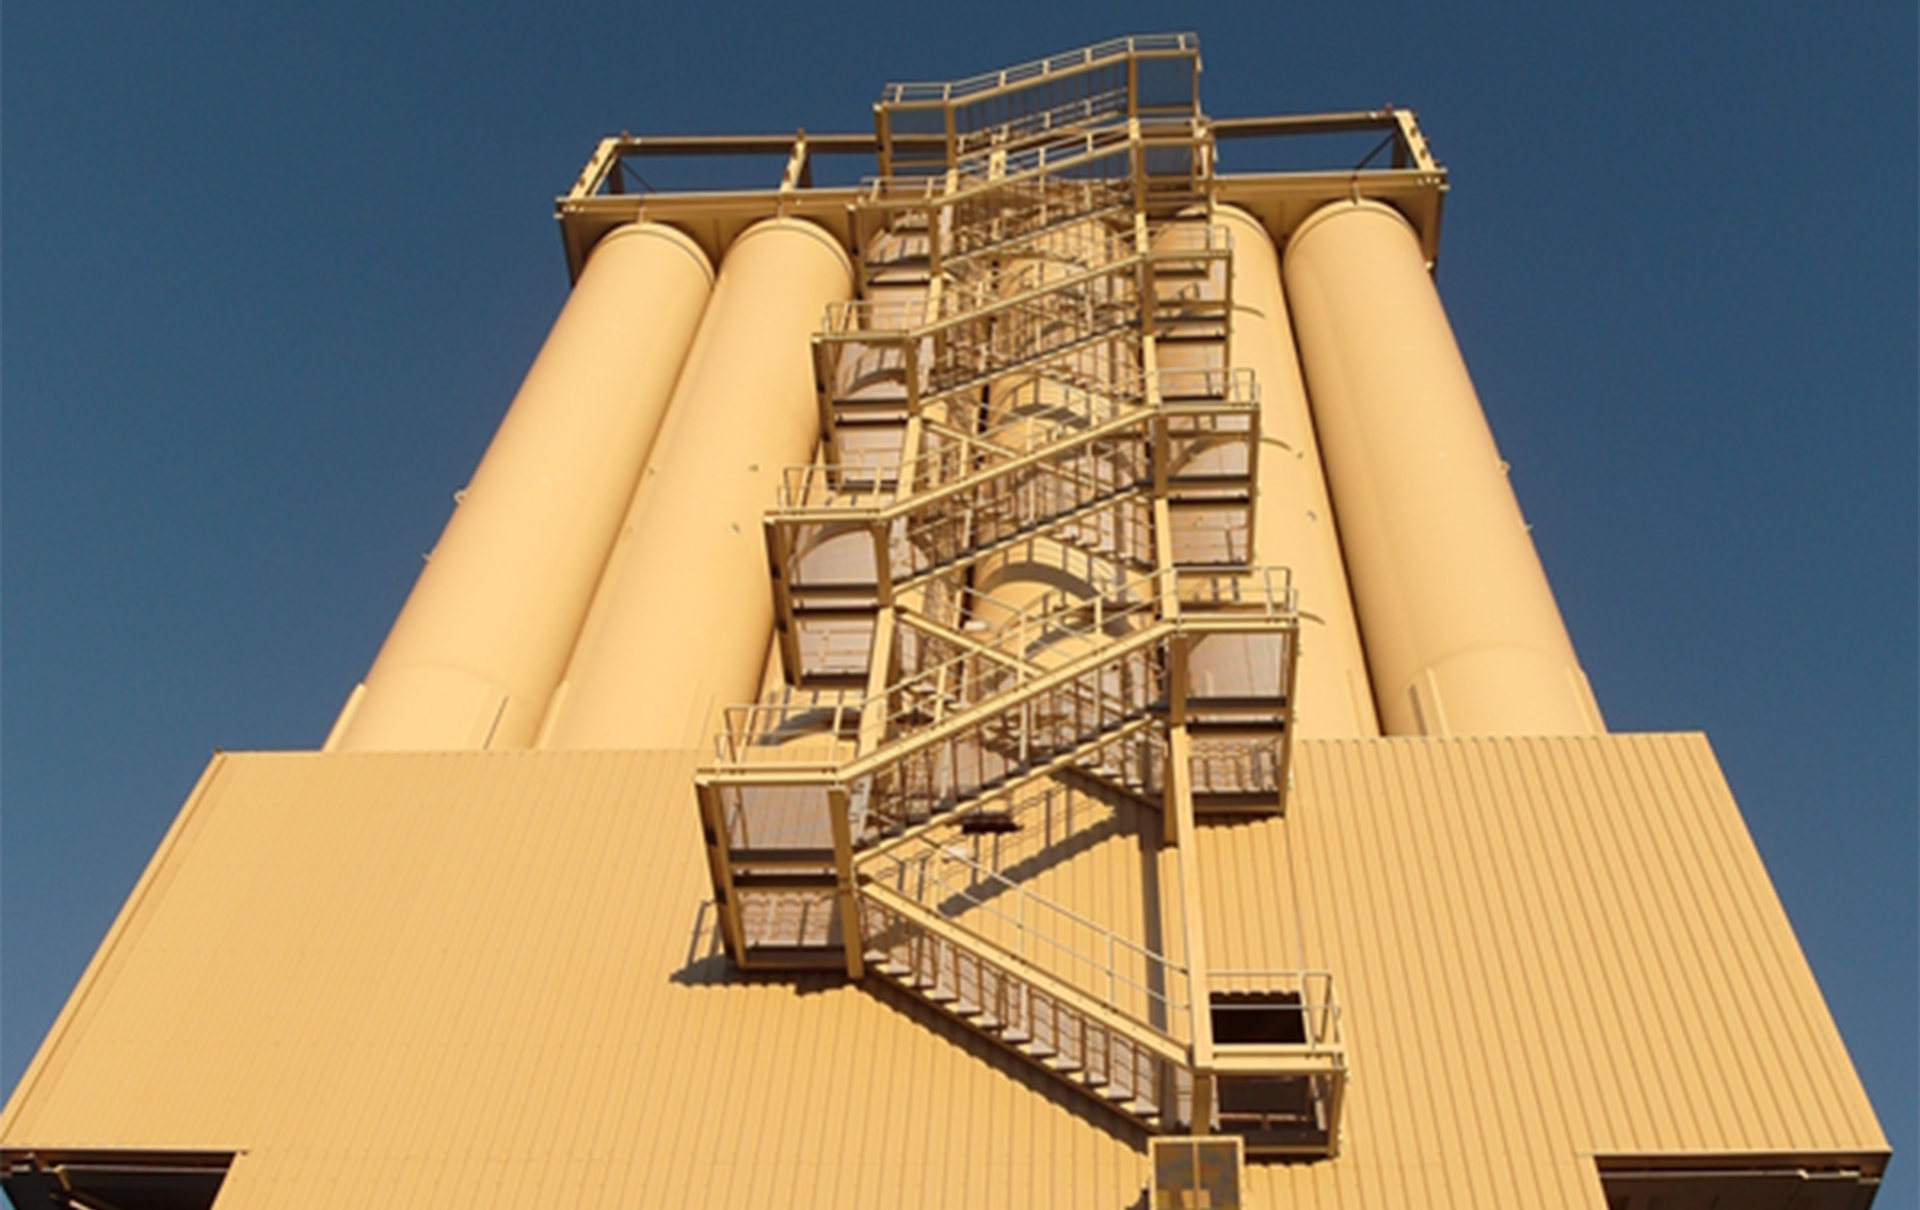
(487, 979)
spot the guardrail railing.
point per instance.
(1130, 979)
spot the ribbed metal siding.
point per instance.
(1545, 949)
(477, 980)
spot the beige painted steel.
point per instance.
(1281, 200)
(890, 290)
(1461, 630)
(680, 623)
(455, 979)
(1294, 525)
(1042, 572)
(484, 637)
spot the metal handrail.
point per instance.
(893, 319)
(1027, 165)
(1319, 1011)
(1112, 1053)
(860, 484)
(1176, 1008)
(753, 732)
(1056, 613)
(1060, 617)
(1234, 590)
(874, 483)
(949, 689)
(1085, 57)
(1039, 122)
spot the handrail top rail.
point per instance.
(1067, 62)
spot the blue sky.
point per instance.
(271, 273)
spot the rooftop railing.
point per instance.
(1053, 65)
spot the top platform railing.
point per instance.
(1143, 87)
(931, 128)
(1099, 54)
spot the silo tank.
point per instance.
(1462, 633)
(681, 621)
(484, 637)
(1294, 522)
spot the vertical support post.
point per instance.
(1143, 248)
(883, 132)
(910, 355)
(1137, 158)
(726, 899)
(1162, 439)
(1179, 660)
(1192, 923)
(785, 634)
(798, 173)
(1226, 294)
(874, 710)
(1290, 636)
(852, 938)
(1167, 588)
(907, 468)
(824, 359)
(858, 235)
(882, 563)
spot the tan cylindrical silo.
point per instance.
(897, 293)
(1294, 522)
(1462, 633)
(485, 635)
(680, 624)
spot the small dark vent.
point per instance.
(989, 823)
(1258, 1018)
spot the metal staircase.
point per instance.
(1021, 567)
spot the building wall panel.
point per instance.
(490, 979)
